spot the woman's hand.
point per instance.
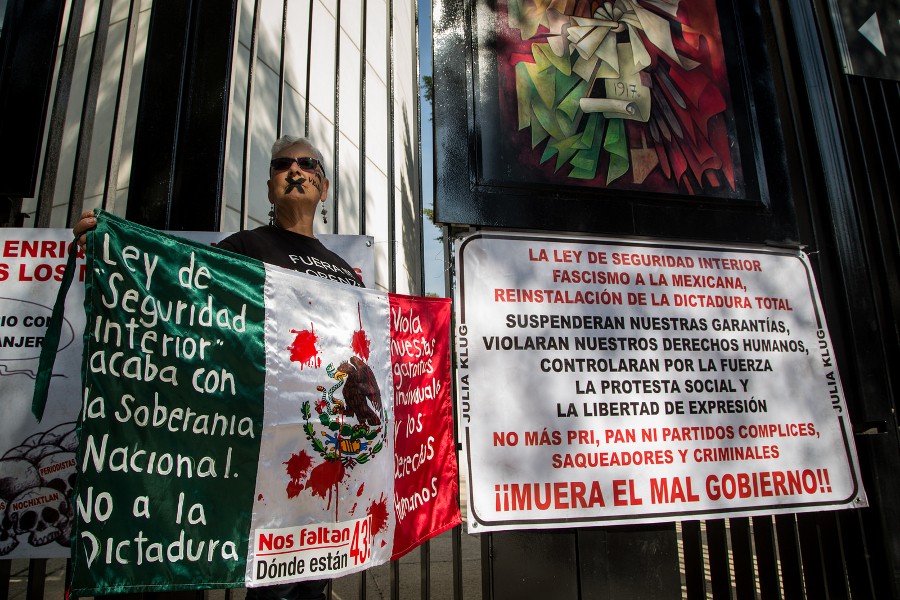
(86, 222)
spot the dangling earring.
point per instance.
(272, 216)
(324, 212)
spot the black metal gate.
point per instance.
(837, 186)
(841, 140)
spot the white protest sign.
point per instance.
(610, 381)
(37, 460)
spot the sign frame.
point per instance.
(856, 498)
(465, 70)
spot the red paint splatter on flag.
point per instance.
(260, 497)
(361, 344)
(360, 490)
(360, 341)
(325, 477)
(378, 511)
(352, 510)
(304, 350)
(298, 465)
(293, 489)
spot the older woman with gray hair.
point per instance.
(297, 184)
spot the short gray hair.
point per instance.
(286, 141)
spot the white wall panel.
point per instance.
(376, 37)
(368, 182)
(269, 38)
(106, 106)
(245, 31)
(233, 169)
(349, 100)
(265, 114)
(89, 20)
(330, 6)
(70, 134)
(134, 97)
(296, 43)
(377, 116)
(351, 20)
(321, 87)
(377, 224)
(321, 133)
(293, 119)
(348, 215)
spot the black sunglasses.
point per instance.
(306, 163)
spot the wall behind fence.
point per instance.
(342, 72)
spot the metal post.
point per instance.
(118, 133)
(248, 131)
(88, 113)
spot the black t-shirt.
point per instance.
(290, 250)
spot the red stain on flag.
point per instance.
(293, 489)
(324, 478)
(298, 465)
(361, 344)
(304, 350)
(360, 341)
(378, 511)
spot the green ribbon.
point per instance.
(50, 345)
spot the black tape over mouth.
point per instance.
(294, 183)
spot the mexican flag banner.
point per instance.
(246, 425)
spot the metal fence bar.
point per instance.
(335, 196)
(487, 578)
(719, 572)
(278, 121)
(395, 579)
(456, 541)
(37, 573)
(118, 132)
(742, 552)
(245, 169)
(5, 571)
(392, 226)
(766, 558)
(308, 67)
(53, 148)
(88, 113)
(856, 552)
(888, 99)
(363, 72)
(833, 556)
(789, 555)
(692, 542)
(419, 206)
(456, 532)
(813, 569)
(425, 567)
(226, 150)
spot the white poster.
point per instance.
(608, 381)
(37, 460)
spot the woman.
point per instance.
(296, 185)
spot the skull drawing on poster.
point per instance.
(36, 482)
